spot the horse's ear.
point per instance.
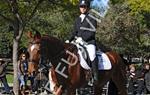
(37, 35)
(29, 34)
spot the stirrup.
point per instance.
(91, 82)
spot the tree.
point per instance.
(139, 6)
(18, 27)
(18, 14)
(123, 32)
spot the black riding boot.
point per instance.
(95, 69)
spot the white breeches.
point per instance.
(91, 49)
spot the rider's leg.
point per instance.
(94, 60)
(95, 69)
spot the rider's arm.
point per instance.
(90, 35)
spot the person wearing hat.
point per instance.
(84, 20)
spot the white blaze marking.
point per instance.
(32, 47)
(52, 84)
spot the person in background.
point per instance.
(22, 71)
(147, 78)
(3, 79)
(139, 75)
(131, 76)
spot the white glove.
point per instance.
(67, 41)
(79, 40)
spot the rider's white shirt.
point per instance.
(82, 16)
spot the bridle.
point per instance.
(33, 48)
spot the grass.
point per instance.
(9, 78)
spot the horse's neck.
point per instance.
(51, 44)
(70, 47)
(76, 72)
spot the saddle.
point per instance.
(84, 54)
(103, 60)
(82, 51)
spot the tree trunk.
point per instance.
(15, 67)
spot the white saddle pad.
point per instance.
(103, 64)
(83, 62)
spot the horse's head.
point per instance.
(52, 51)
(34, 53)
(64, 68)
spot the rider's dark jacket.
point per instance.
(86, 35)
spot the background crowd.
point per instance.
(138, 78)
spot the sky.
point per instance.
(101, 6)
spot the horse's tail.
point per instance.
(118, 72)
(117, 62)
(122, 66)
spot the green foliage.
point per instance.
(6, 44)
(140, 9)
(74, 2)
(138, 6)
(123, 32)
(6, 38)
(124, 29)
(116, 1)
(53, 18)
(57, 22)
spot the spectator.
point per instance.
(147, 78)
(131, 76)
(22, 71)
(140, 73)
(3, 77)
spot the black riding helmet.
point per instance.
(84, 3)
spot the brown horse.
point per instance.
(33, 59)
(33, 49)
(66, 73)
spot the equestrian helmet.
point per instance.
(84, 3)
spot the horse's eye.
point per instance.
(38, 51)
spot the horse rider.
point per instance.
(86, 34)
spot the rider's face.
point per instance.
(83, 9)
